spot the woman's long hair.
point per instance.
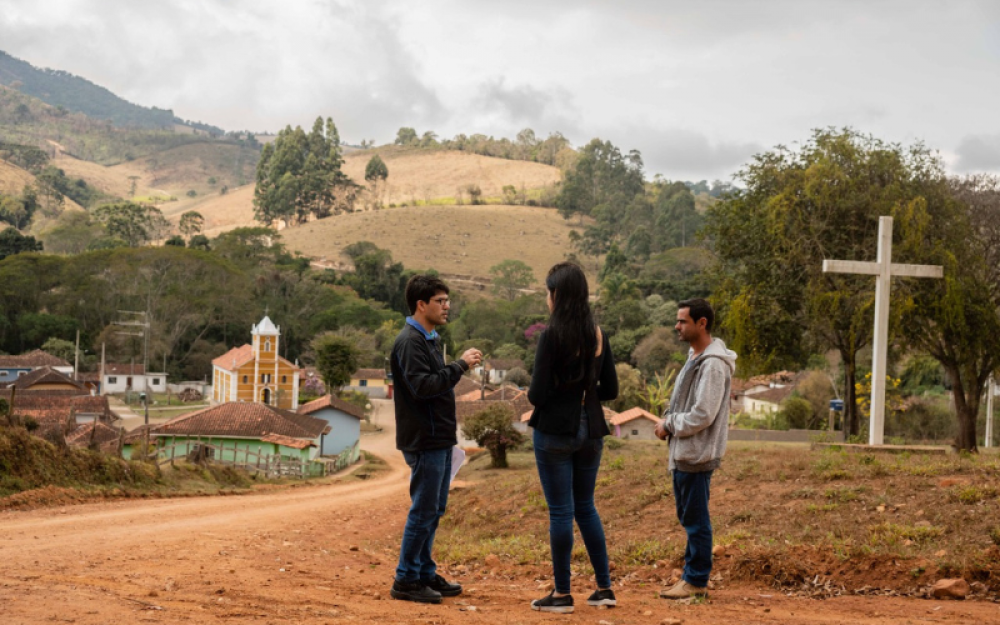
(571, 332)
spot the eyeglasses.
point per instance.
(441, 301)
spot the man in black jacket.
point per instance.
(426, 428)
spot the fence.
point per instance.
(255, 462)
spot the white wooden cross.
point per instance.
(884, 270)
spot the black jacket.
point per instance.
(557, 409)
(423, 393)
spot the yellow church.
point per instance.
(256, 373)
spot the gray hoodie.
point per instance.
(698, 416)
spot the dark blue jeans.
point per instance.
(691, 495)
(429, 481)
(567, 468)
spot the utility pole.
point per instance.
(144, 324)
(76, 358)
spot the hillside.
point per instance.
(13, 179)
(455, 240)
(72, 93)
(427, 175)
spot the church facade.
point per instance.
(256, 373)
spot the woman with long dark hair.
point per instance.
(574, 372)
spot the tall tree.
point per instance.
(191, 223)
(375, 174)
(336, 359)
(135, 224)
(299, 176)
(957, 320)
(796, 209)
(510, 277)
(602, 176)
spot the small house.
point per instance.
(343, 420)
(13, 367)
(374, 383)
(635, 423)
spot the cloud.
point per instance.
(978, 153)
(682, 154)
(512, 108)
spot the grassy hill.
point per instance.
(455, 240)
(435, 176)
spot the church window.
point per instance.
(284, 379)
(246, 379)
(267, 345)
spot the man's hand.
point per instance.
(472, 357)
(660, 431)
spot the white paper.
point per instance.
(457, 459)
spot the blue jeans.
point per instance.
(429, 482)
(691, 495)
(567, 468)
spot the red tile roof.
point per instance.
(103, 435)
(632, 414)
(609, 414)
(329, 401)
(244, 420)
(504, 364)
(369, 374)
(288, 441)
(774, 395)
(123, 369)
(36, 358)
(234, 358)
(466, 385)
(45, 375)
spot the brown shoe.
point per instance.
(684, 590)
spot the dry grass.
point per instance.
(782, 512)
(13, 179)
(455, 240)
(423, 176)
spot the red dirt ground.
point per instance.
(315, 555)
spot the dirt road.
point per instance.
(318, 554)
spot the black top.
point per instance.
(558, 408)
(423, 393)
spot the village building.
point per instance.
(765, 403)
(375, 383)
(57, 404)
(232, 431)
(496, 369)
(343, 419)
(635, 424)
(256, 373)
(13, 367)
(130, 378)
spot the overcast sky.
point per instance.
(697, 87)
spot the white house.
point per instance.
(122, 378)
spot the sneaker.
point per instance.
(444, 587)
(551, 603)
(603, 597)
(414, 591)
(684, 590)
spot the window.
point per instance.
(284, 379)
(156, 380)
(265, 378)
(267, 345)
(245, 379)
(112, 380)
(363, 383)
(635, 432)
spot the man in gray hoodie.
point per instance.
(697, 426)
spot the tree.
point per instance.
(957, 319)
(406, 136)
(13, 242)
(602, 176)
(376, 173)
(510, 277)
(493, 428)
(135, 224)
(72, 233)
(299, 176)
(176, 241)
(336, 359)
(796, 209)
(191, 223)
(60, 349)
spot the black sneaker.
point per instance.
(414, 591)
(551, 603)
(444, 587)
(603, 597)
